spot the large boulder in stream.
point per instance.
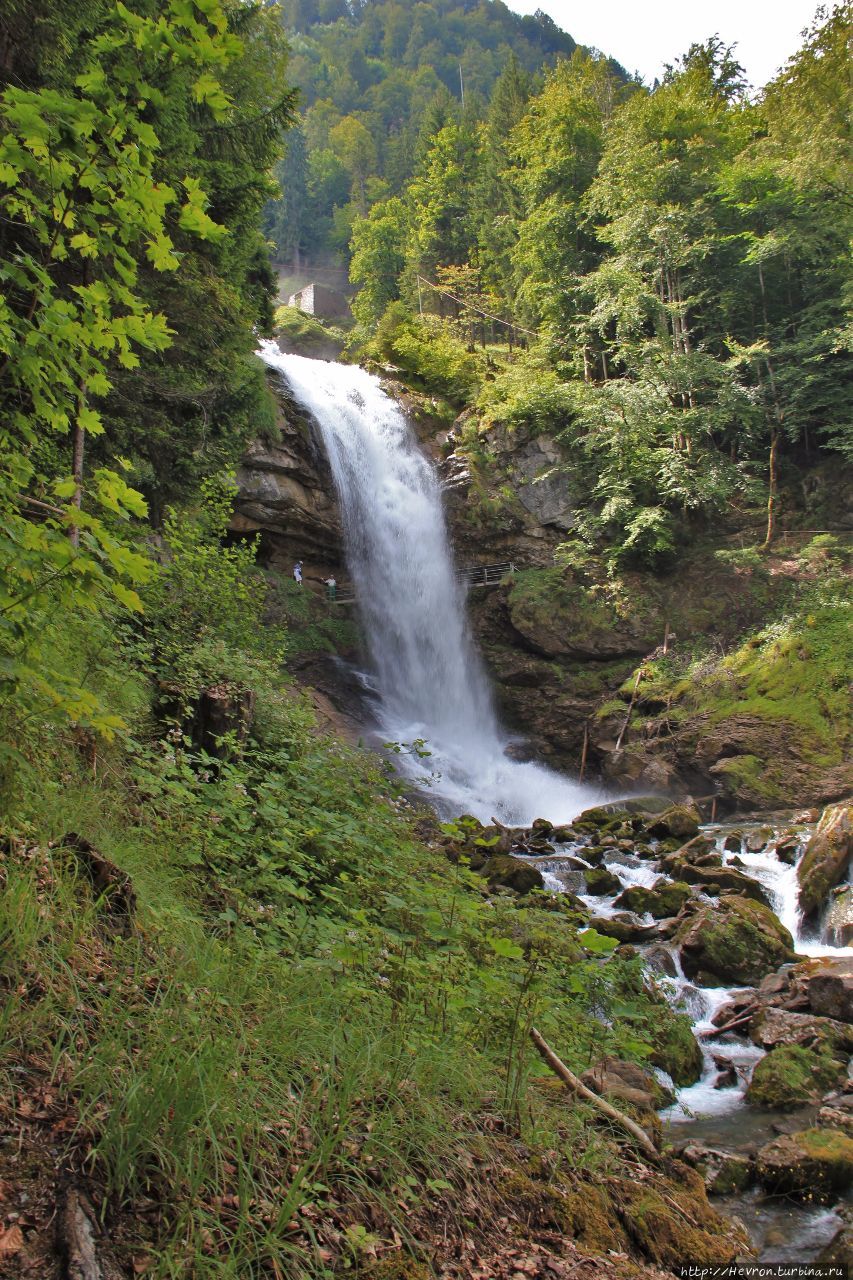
(716, 880)
(827, 858)
(600, 882)
(505, 872)
(734, 942)
(663, 900)
(792, 1075)
(770, 1027)
(817, 1163)
(826, 987)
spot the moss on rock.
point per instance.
(736, 941)
(817, 1163)
(793, 1075)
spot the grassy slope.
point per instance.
(304, 1054)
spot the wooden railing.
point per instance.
(477, 575)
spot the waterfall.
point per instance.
(430, 680)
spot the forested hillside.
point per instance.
(672, 261)
(376, 81)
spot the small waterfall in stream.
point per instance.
(430, 680)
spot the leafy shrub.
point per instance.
(426, 348)
(527, 395)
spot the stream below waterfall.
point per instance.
(432, 698)
(712, 1111)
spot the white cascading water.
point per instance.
(431, 684)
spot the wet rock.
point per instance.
(791, 1076)
(665, 899)
(600, 882)
(505, 872)
(563, 835)
(827, 857)
(736, 941)
(814, 1163)
(698, 847)
(733, 843)
(725, 1172)
(594, 853)
(722, 880)
(827, 987)
(771, 1027)
(740, 1006)
(727, 1076)
(660, 960)
(624, 928)
(680, 820)
(628, 1082)
(788, 848)
(775, 986)
(757, 841)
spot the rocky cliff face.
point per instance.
(285, 493)
(575, 654)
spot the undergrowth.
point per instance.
(308, 1029)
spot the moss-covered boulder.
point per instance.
(505, 872)
(680, 820)
(792, 1076)
(817, 1163)
(677, 1051)
(624, 928)
(725, 1172)
(718, 880)
(664, 899)
(827, 857)
(735, 941)
(600, 882)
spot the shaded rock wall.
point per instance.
(285, 493)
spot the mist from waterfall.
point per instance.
(430, 679)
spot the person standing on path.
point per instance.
(297, 573)
(331, 588)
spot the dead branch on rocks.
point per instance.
(571, 1081)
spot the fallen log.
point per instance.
(571, 1081)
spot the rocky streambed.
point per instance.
(747, 926)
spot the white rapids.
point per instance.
(431, 684)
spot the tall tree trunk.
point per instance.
(78, 448)
(778, 416)
(773, 488)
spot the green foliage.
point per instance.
(204, 617)
(527, 395)
(429, 352)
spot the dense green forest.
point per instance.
(376, 81)
(673, 262)
(257, 1008)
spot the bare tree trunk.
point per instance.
(577, 1086)
(78, 448)
(773, 488)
